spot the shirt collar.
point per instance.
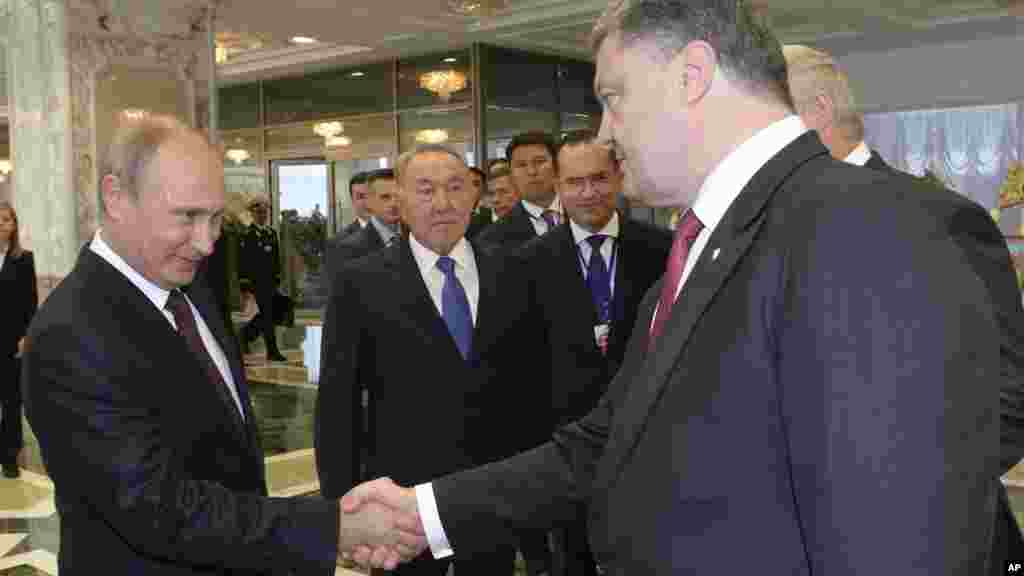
(427, 259)
(157, 295)
(580, 234)
(538, 211)
(386, 233)
(731, 175)
(860, 155)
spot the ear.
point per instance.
(695, 66)
(110, 188)
(825, 109)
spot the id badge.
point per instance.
(601, 336)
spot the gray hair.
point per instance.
(747, 49)
(813, 72)
(402, 164)
(135, 144)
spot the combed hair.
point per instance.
(747, 49)
(134, 146)
(814, 72)
(578, 138)
(357, 178)
(403, 161)
(532, 138)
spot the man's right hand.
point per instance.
(397, 509)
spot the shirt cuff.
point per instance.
(427, 507)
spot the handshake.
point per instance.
(380, 525)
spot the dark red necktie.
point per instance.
(186, 322)
(687, 232)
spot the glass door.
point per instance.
(302, 195)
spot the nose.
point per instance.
(442, 200)
(604, 133)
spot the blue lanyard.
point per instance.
(604, 311)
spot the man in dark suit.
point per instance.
(260, 257)
(532, 161)
(381, 230)
(433, 328)
(138, 397)
(506, 197)
(584, 299)
(814, 354)
(358, 191)
(823, 97)
(482, 216)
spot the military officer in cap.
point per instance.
(261, 265)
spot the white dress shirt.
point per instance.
(580, 236)
(158, 296)
(860, 155)
(362, 223)
(465, 271)
(722, 186)
(537, 214)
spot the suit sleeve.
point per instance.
(338, 426)
(115, 459)
(983, 245)
(888, 378)
(31, 292)
(543, 487)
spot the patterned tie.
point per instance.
(182, 312)
(687, 232)
(455, 308)
(598, 279)
(551, 218)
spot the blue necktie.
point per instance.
(455, 307)
(598, 279)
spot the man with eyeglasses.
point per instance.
(586, 279)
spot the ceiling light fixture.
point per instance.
(443, 82)
(5, 168)
(338, 142)
(435, 136)
(303, 40)
(450, 60)
(328, 129)
(357, 74)
(237, 155)
(134, 113)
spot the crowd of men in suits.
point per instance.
(555, 282)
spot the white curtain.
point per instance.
(969, 148)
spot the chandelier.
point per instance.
(338, 142)
(237, 155)
(477, 8)
(328, 130)
(443, 82)
(435, 136)
(134, 113)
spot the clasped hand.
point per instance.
(380, 525)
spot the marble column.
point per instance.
(40, 119)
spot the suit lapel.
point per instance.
(729, 242)
(487, 274)
(625, 287)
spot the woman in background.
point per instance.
(18, 300)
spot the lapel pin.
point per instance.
(714, 255)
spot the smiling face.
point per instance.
(589, 183)
(436, 200)
(167, 230)
(644, 115)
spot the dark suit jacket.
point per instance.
(562, 307)
(352, 247)
(509, 233)
(983, 244)
(256, 263)
(480, 219)
(825, 362)
(431, 411)
(352, 228)
(154, 470)
(19, 298)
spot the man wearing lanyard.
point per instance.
(587, 278)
